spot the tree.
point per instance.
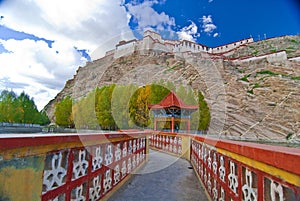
(8, 106)
(204, 113)
(103, 107)
(20, 109)
(158, 92)
(139, 111)
(63, 113)
(120, 105)
(29, 112)
(43, 120)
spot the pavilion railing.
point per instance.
(231, 170)
(68, 167)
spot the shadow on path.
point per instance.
(164, 177)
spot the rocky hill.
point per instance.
(253, 99)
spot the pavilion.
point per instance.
(172, 111)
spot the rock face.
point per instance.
(256, 98)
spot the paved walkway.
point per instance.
(163, 178)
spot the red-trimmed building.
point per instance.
(172, 111)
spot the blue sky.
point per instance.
(42, 44)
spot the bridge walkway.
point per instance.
(164, 177)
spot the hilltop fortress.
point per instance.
(251, 87)
(153, 41)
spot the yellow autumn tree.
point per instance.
(139, 111)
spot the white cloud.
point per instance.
(36, 68)
(216, 35)
(208, 26)
(206, 19)
(31, 66)
(209, 1)
(188, 32)
(85, 24)
(146, 17)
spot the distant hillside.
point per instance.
(253, 91)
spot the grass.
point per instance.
(250, 91)
(295, 78)
(262, 78)
(294, 41)
(245, 78)
(288, 51)
(267, 72)
(255, 52)
(256, 85)
(290, 48)
(172, 68)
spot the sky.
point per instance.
(42, 43)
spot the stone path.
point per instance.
(164, 177)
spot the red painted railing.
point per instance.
(92, 166)
(77, 167)
(231, 170)
(168, 143)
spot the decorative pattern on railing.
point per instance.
(166, 143)
(89, 173)
(228, 179)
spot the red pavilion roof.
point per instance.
(171, 100)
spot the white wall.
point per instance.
(152, 40)
(271, 58)
(231, 46)
(125, 49)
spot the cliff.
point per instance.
(253, 90)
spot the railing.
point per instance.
(7, 124)
(232, 170)
(93, 166)
(68, 167)
(171, 143)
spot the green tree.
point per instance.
(170, 85)
(20, 109)
(43, 120)
(103, 108)
(30, 113)
(120, 105)
(158, 92)
(63, 112)
(204, 113)
(9, 106)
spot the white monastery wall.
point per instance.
(231, 46)
(271, 58)
(153, 41)
(277, 57)
(297, 59)
(125, 49)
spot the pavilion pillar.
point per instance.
(188, 125)
(172, 124)
(155, 124)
